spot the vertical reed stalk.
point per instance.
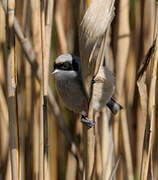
(89, 150)
(11, 81)
(37, 121)
(50, 165)
(44, 88)
(126, 144)
(43, 113)
(123, 42)
(60, 26)
(107, 147)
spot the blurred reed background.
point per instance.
(46, 140)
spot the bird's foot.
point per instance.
(87, 122)
(93, 81)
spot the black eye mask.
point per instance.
(75, 65)
(66, 66)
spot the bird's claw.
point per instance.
(93, 81)
(87, 122)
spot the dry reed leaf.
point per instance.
(143, 94)
(142, 88)
(145, 154)
(149, 110)
(146, 61)
(153, 104)
(143, 101)
(92, 30)
(142, 77)
(113, 172)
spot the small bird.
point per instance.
(68, 81)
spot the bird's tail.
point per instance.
(114, 106)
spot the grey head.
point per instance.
(67, 65)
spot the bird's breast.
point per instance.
(72, 94)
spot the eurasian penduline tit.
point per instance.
(67, 71)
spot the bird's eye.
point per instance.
(66, 66)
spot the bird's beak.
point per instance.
(55, 71)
